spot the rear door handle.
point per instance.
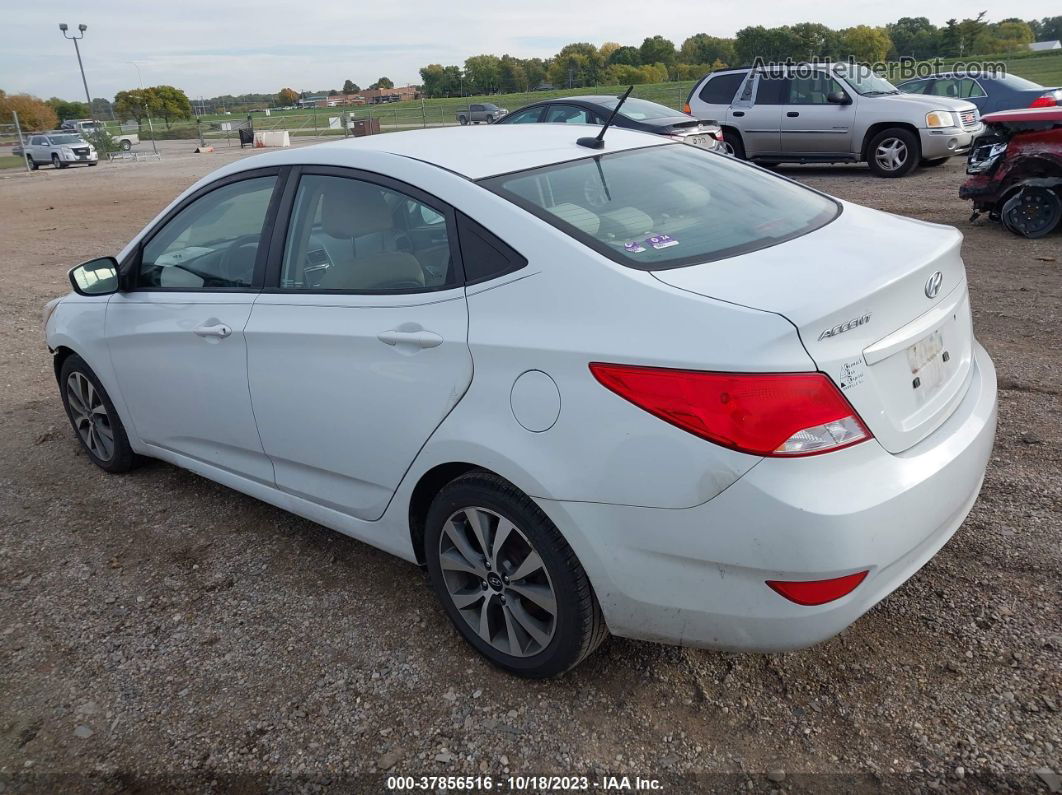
(738, 113)
(416, 339)
(792, 114)
(219, 330)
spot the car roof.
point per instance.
(472, 152)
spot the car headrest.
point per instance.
(352, 209)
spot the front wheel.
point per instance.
(126, 145)
(463, 120)
(57, 163)
(95, 422)
(893, 152)
(507, 579)
(1032, 212)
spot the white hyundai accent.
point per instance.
(644, 388)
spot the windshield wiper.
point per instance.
(876, 93)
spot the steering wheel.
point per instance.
(231, 266)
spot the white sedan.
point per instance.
(645, 389)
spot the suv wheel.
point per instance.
(56, 162)
(507, 579)
(893, 152)
(95, 421)
(732, 144)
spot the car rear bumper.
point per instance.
(948, 141)
(697, 576)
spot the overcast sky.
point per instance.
(245, 46)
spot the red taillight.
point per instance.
(686, 109)
(818, 592)
(1046, 101)
(770, 414)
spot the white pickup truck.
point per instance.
(125, 141)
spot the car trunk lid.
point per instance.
(870, 308)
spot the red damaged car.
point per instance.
(1015, 170)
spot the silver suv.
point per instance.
(819, 113)
(61, 148)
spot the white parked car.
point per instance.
(646, 388)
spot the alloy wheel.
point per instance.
(498, 581)
(727, 147)
(90, 416)
(891, 154)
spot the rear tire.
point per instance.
(733, 145)
(93, 417)
(507, 579)
(126, 145)
(463, 120)
(1032, 212)
(893, 152)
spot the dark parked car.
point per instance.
(636, 114)
(989, 94)
(1015, 170)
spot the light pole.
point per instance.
(147, 110)
(81, 28)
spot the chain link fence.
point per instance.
(11, 154)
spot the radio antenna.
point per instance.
(598, 141)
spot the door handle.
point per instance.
(792, 114)
(417, 339)
(738, 113)
(219, 330)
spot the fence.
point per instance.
(223, 129)
(11, 156)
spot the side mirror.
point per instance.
(95, 277)
(838, 98)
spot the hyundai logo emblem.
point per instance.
(933, 284)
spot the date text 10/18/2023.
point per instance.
(529, 783)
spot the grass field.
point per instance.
(1043, 68)
(11, 161)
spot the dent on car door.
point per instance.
(175, 331)
(358, 347)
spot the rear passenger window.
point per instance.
(484, 255)
(771, 90)
(720, 89)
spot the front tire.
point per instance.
(57, 163)
(507, 579)
(893, 152)
(93, 417)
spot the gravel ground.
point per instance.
(158, 630)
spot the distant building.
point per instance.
(1043, 46)
(374, 96)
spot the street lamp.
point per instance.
(82, 28)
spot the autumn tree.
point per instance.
(866, 44)
(287, 96)
(33, 112)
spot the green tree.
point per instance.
(482, 74)
(702, 49)
(1048, 29)
(171, 104)
(69, 110)
(383, 82)
(866, 44)
(101, 108)
(287, 96)
(913, 37)
(1008, 35)
(350, 87)
(536, 71)
(770, 44)
(815, 41)
(577, 64)
(657, 49)
(625, 56)
(951, 39)
(136, 104)
(511, 75)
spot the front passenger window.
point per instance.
(812, 90)
(349, 234)
(211, 243)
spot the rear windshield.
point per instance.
(667, 206)
(640, 109)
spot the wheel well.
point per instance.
(731, 129)
(62, 353)
(874, 129)
(430, 483)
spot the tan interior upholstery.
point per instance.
(350, 210)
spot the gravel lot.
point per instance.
(157, 630)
